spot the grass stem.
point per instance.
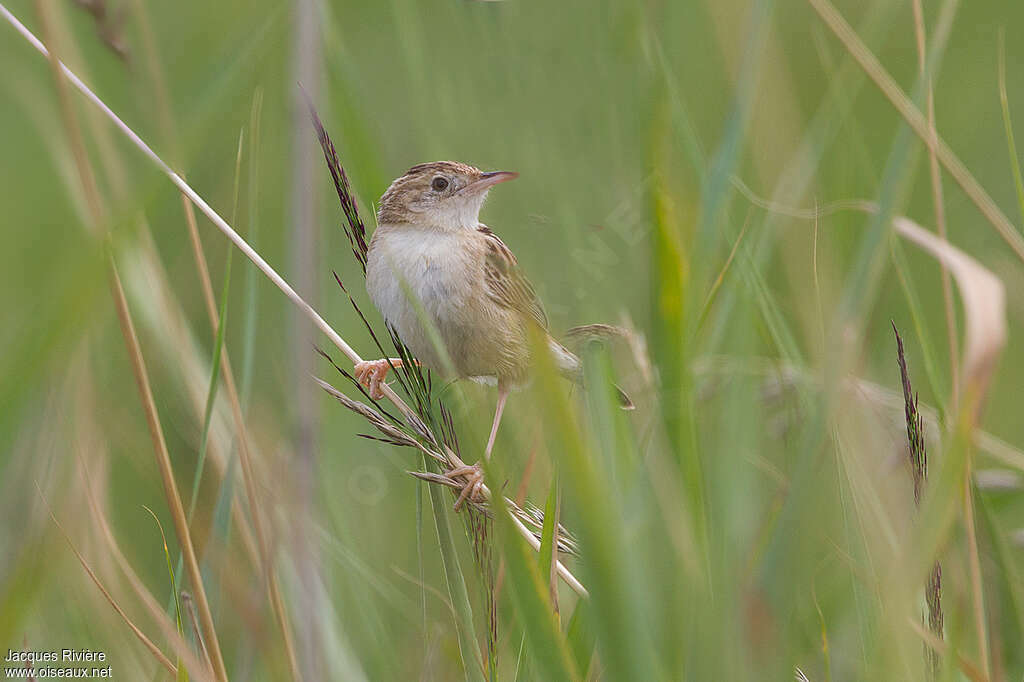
(919, 124)
(131, 339)
(939, 206)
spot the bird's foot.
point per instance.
(473, 490)
(371, 374)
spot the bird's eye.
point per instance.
(439, 184)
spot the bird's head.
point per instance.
(444, 195)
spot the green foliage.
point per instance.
(752, 516)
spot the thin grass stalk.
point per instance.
(167, 474)
(968, 416)
(252, 217)
(211, 394)
(85, 439)
(87, 177)
(919, 124)
(974, 564)
(171, 573)
(244, 450)
(1004, 101)
(178, 643)
(117, 177)
(939, 206)
(257, 260)
(146, 641)
(166, 121)
(969, 670)
(190, 608)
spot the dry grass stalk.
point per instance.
(190, 608)
(867, 60)
(128, 331)
(969, 670)
(244, 451)
(170, 486)
(186, 656)
(146, 641)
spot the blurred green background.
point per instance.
(629, 124)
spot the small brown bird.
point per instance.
(431, 257)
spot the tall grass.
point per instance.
(751, 519)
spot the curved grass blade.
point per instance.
(182, 675)
(580, 635)
(529, 592)
(1011, 144)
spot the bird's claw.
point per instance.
(474, 487)
(371, 373)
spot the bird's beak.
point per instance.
(488, 180)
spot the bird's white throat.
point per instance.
(460, 212)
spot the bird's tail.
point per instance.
(595, 332)
(571, 368)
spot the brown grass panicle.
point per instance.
(919, 470)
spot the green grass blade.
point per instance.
(456, 585)
(530, 593)
(719, 280)
(580, 635)
(218, 346)
(775, 321)
(547, 536)
(1018, 181)
(519, 658)
(182, 671)
(608, 568)
(252, 275)
(714, 193)
(211, 394)
(1007, 578)
(419, 556)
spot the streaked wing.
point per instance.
(506, 284)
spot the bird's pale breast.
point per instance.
(443, 272)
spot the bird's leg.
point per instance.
(473, 474)
(502, 397)
(371, 373)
